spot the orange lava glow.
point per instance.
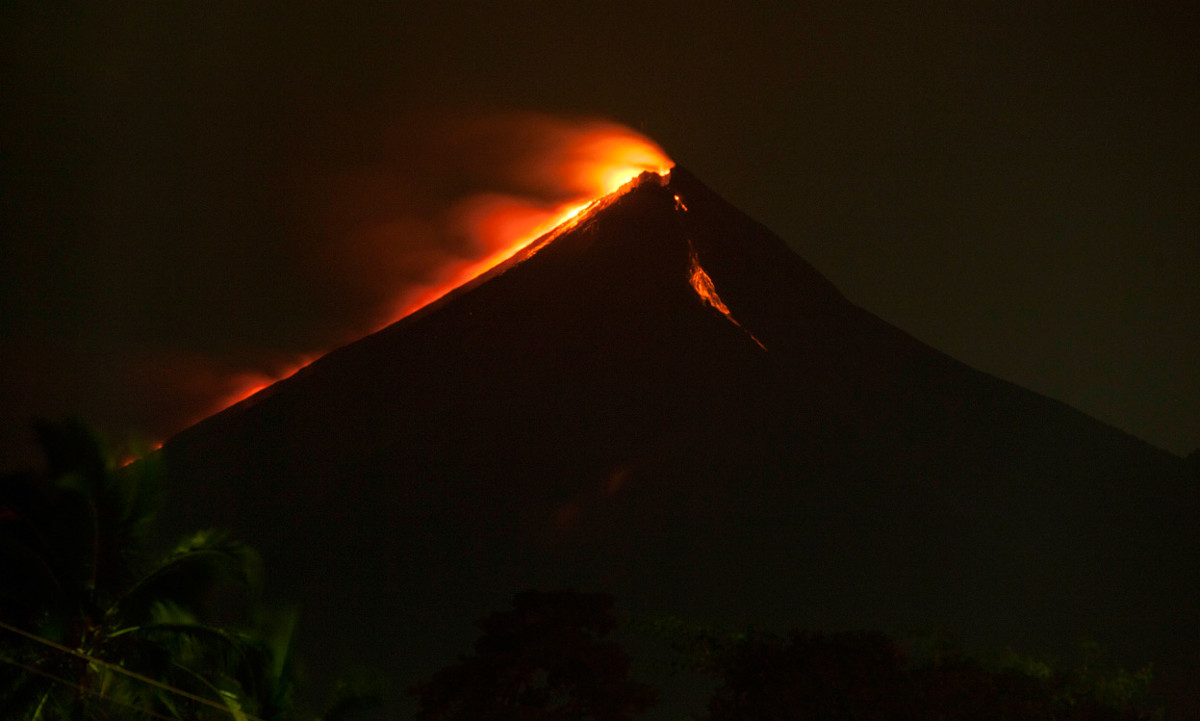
(502, 227)
(592, 163)
(244, 385)
(595, 163)
(704, 288)
(569, 165)
(129, 458)
(702, 283)
(607, 159)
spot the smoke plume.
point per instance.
(421, 206)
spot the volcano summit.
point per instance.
(661, 400)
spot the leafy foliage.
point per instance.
(117, 629)
(867, 675)
(356, 690)
(544, 660)
(698, 648)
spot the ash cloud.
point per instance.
(223, 265)
(437, 191)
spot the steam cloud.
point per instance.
(446, 192)
(243, 250)
(392, 224)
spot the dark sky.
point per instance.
(1014, 183)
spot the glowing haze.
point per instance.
(598, 158)
(411, 226)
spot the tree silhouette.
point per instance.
(543, 661)
(95, 624)
(863, 676)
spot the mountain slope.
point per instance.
(585, 417)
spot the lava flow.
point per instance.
(586, 164)
(702, 283)
(597, 162)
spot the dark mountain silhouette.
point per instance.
(583, 418)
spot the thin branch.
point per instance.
(68, 682)
(118, 669)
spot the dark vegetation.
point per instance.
(96, 625)
(869, 675)
(585, 420)
(546, 660)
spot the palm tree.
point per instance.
(94, 626)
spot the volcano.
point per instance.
(663, 401)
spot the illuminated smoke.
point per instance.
(436, 201)
(561, 167)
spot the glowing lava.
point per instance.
(702, 283)
(594, 163)
(244, 385)
(562, 168)
(586, 164)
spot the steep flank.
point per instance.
(583, 417)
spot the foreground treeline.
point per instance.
(94, 624)
(549, 659)
(97, 624)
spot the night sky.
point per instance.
(193, 191)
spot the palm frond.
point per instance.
(22, 689)
(255, 663)
(190, 642)
(102, 513)
(135, 632)
(276, 631)
(224, 690)
(186, 576)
